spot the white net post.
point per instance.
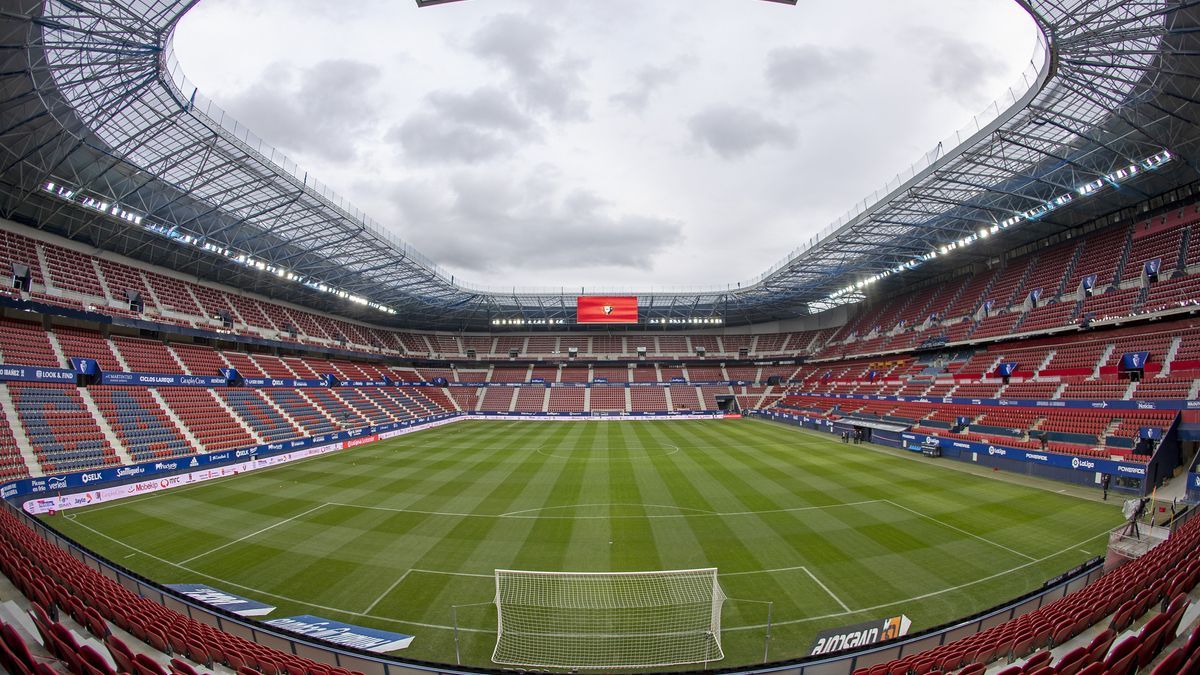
(577, 620)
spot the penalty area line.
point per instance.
(958, 529)
(402, 622)
(258, 591)
(252, 534)
(825, 588)
(923, 596)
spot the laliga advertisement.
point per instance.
(606, 309)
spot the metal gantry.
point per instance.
(92, 97)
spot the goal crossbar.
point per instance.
(579, 620)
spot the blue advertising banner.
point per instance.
(1134, 360)
(230, 374)
(98, 477)
(159, 380)
(1156, 404)
(1050, 459)
(1150, 433)
(35, 374)
(1006, 369)
(223, 600)
(281, 382)
(345, 634)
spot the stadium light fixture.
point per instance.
(184, 238)
(1113, 179)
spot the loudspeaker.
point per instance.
(21, 277)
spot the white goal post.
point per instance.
(578, 620)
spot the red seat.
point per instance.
(144, 665)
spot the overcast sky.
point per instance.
(615, 143)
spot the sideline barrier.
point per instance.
(956, 449)
(104, 485)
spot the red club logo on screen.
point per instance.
(607, 309)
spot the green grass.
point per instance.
(392, 534)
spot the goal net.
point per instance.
(608, 620)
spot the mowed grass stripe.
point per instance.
(870, 534)
(803, 501)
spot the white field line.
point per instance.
(254, 533)
(959, 529)
(825, 588)
(259, 592)
(519, 515)
(923, 596)
(776, 569)
(582, 506)
(259, 472)
(388, 591)
(386, 619)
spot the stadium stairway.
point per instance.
(194, 442)
(110, 436)
(9, 413)
(15, 612)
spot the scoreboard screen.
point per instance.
(606, 309)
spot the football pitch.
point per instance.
(393, 534)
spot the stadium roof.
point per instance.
(103, 140)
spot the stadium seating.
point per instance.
(140, 422)
(265, 420)
(301, 410)
(211, 423)
(63, 433)
(57, 584)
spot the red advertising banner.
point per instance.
(606, 309)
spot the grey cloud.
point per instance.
(486, 107)
(962, 68)
(646, 82)
(470, 128)
(316, 110)
(544, 79)
(428, 138)
(486, 221)
(791, 69)
(734, 132)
